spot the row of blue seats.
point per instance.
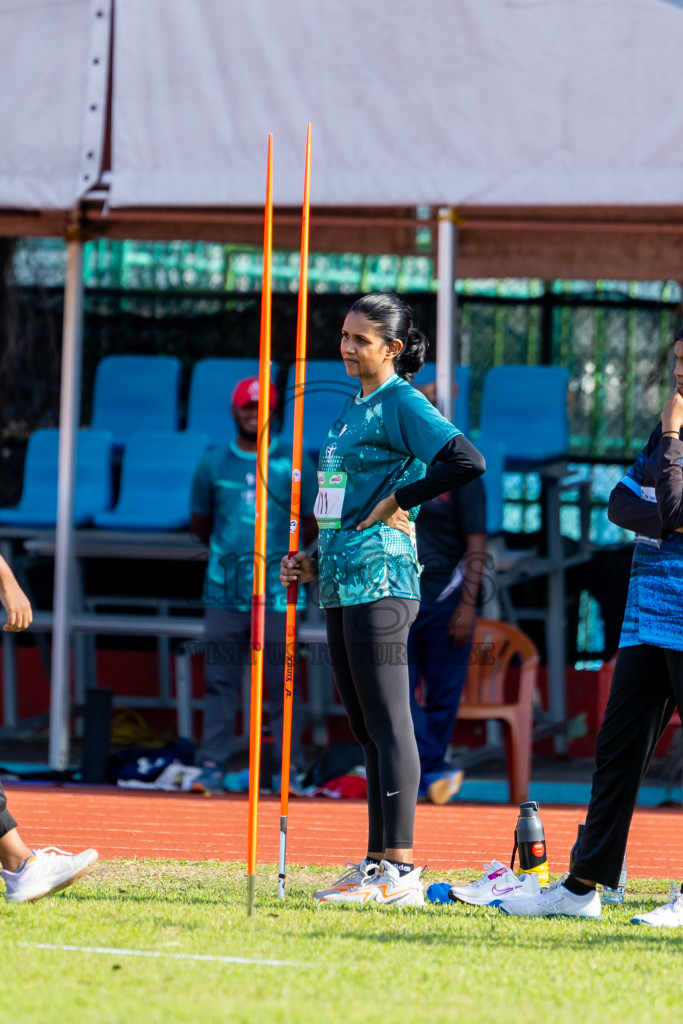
(156, 476)
(524, 406)
(154, 493)
(523, 421)
(133, 393)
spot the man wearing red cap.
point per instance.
(223, 506)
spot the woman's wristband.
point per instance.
(672, 433)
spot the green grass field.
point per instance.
(347, 964)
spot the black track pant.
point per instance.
(646, 688)
(369, 660)
(7, 822)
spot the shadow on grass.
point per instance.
(151, 898)
(172, 893)
(528, 933)
(645, 937)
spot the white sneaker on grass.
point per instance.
(47, 871)
(670, 915)
(496, 884)
(349, 879)
(555, 901)
(388, 887)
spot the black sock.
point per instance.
(372, 860)
(403, 869)
(578, 888)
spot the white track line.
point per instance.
(159, 954)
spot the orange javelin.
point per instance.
(258, 600)
(294, 516)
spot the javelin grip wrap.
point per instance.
(258, 621)
(292, 588)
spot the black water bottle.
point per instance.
(530, 841)
(574, 852)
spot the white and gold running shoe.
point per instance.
(349, 879)
(47, 871)
(387, 886)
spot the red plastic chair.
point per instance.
(496, 646)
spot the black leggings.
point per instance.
(7, 822)
(369, 660)
(646, 688)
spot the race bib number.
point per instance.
(330, 501)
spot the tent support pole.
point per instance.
(447, 240)
(69, 416)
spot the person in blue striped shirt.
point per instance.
(648, 677)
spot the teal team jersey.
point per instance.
(224, 487)
(376, 445)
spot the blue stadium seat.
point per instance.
(461, 405)
(211, 385)
(328, 385)
(156, 477)
(494, 453)
(93, 486)
(525, 407)
(134, 393)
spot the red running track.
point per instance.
(190, 826)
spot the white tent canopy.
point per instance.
(552, 126)
(475, 103)
(54, 60)
(492, 102)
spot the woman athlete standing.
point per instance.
(372, 478)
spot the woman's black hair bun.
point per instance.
(412, 356)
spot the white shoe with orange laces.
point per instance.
(354, 875)
(387, 886)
